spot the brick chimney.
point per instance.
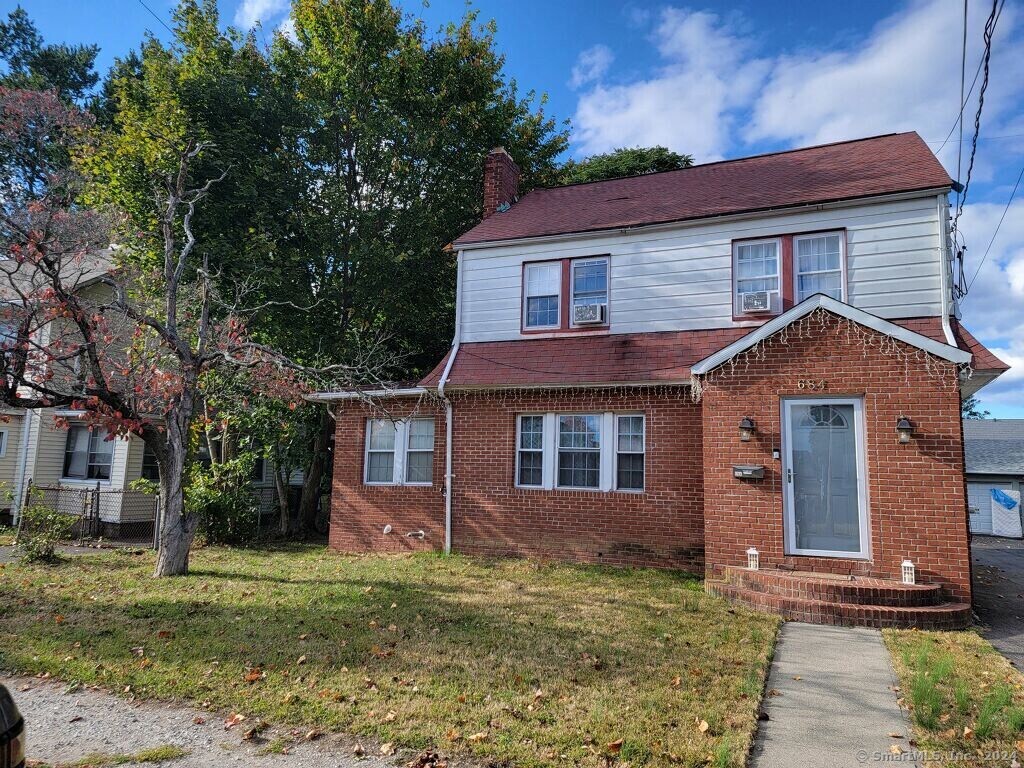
(501, 180)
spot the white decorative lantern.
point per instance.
(753, 559)
(908, 572)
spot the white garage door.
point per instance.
(980, 501)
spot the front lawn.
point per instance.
(965, 699)
(514, 662)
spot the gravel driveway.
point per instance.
(65, 727)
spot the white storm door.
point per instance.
(824, 480)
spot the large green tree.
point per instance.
(30, 63)
(634, 161)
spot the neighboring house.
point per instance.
(675, 368)
(994, 450)
(37, 450)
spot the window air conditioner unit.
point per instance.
(757, 301)
(589, 314)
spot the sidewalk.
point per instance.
(830, 701)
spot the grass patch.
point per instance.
(532, 665)
(151, 755)
(963, 696)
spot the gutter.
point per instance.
(945, 267)
(448, 410)
(351, 394)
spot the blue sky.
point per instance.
(732, 79)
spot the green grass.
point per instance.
(963, 696)
(151, 755)
(508, 660)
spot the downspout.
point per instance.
(448, 410)
(945, 267)
(19, 488)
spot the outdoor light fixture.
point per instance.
(753, 559)
(904, 429)
(908, 572)
(746, 429)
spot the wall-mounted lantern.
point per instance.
(753, 559)
(746, 429)
(908, 572)
(904, 429)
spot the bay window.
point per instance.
(399, 452)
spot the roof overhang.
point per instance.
(859, 316)
(352, 394)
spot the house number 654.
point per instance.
(810, 384)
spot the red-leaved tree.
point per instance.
(91, 329)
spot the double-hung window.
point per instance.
(629, 453)
(757, 267)
(542, 295)
(88, 454)
(589, 283)
(530, 452)
(818, 265)
(579, 451)
(584, 451)
(399, 452)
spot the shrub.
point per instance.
(42, 529)
(222, 496)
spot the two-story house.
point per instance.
(683, 368)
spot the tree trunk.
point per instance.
(281, 483)
(314, 476)
(176, 528)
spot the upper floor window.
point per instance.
(543, 295)
(399, 452)
(818, 265)
(590, 289)
(757, 275)
(88, 454)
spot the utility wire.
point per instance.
(155, 16)
(960, 117)
(1001, 218)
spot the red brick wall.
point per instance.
(359, 512)
(915, 491)
(662, 526)
(501, 180)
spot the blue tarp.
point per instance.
(1003, 498)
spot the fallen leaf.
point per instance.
(774, 692)
(797, 677)
(76, 718)
(253, 675)
(390, 716)
(614, 746)
(301, 659)
(968, 732)
(895, 749)
(895, 735)
(387, 748)
(234, 719)
(477, 737)
(703, 727)
(358, 750)
(199, 721)
(677, 681)
(313, 734)
(164, 634)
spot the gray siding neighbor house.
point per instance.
(994, 451)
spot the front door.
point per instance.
(824, 479)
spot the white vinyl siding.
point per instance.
(680, 278)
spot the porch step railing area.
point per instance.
(106, 514)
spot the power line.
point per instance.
(1000, 224)
(960, 117)
(155, 16)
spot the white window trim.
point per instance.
(519, 448)
(607, 287)
(526, 295)
(842, 263)
(91, 481)
(737, 306)
(406, 451)
(601, 451)
(608, 453)
(643, 453)
(400, 453)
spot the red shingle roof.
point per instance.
(627, 358)
(880, 165)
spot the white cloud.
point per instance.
(591, 65)
(252, 11)
(687, 104)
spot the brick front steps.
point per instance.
(846, 601)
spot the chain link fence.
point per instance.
(109, 514)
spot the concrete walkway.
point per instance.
(830, 701)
